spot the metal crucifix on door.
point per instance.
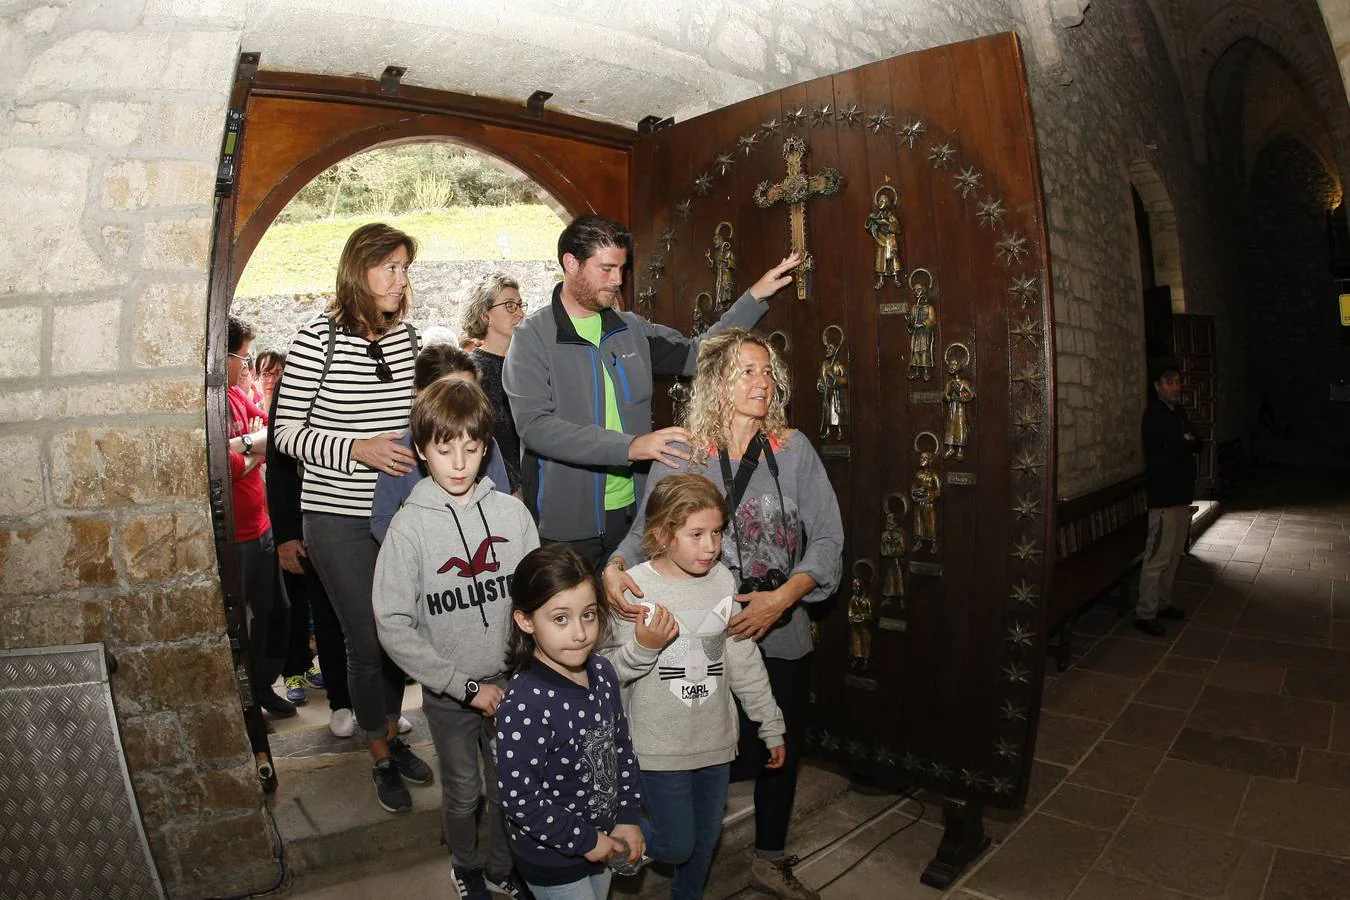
(794, 190)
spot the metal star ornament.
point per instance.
(878, 121)
(747, 142)
(851, 116)
(1026, 463)
(723, 162)
(1025, 288)
(1012, 711)
(941, 156)
(1020, 635)
(1029, 420)
(667, 239)
(655, 268)
(769, 127)
(683, 208)
(646, 297)
(941, 771)
(1015, 674)
(972, 779)
(1012, 248)
(1028, 329)
(795, 118)
(911, 763)
(1028, 377)
(1026, 507)
(910, 132)
(703, 184)
(990, 211)
(1002, 785)
(1025, 551)
(1007, 749)
(968, 181)
(1024, 594)
(822, 116)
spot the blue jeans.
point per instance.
(686, 810)
(595, 887)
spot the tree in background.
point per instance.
(408, 178)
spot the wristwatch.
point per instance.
(470, 690)
(247, 441)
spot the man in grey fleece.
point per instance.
(579, 378)
(442, 599)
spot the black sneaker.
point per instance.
(1150, 627)
(1172, 612)
(510, 885)
(389, 787)
(282, 709)
(470, 883)
(410, 765)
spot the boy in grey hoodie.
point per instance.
(442, 599)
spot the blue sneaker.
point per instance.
(295, 689)
(313, 678)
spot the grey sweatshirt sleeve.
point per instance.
(749, 681)
(526, 378)
(818, 507)
(630, 659)
(675, 354)
(396, 597)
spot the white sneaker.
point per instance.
(342, 722)
(404, 726)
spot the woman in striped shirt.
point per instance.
(343, 403)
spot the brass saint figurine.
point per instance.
(860, 617)
(833, 385)
(956, 394)
(782, 341)
(884, 227)
(926, 491)
(679, 395)
(703, 310)
(894, 546)
(722, 260)
(922, 324)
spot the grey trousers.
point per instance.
(343, 553)
(1167, 530)
(462, 736)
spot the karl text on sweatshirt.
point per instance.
(442, 592)
(679, 700)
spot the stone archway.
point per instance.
(1162, 218)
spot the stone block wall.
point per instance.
(110, 121)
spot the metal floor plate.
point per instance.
(69, 826)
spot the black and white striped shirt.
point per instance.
(352, 403)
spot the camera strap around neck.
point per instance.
(736, 487)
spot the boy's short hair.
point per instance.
(435, 361)
(451, 408)
(671, 503)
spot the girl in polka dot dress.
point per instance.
(567, 775)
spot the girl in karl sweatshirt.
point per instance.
(678, 690)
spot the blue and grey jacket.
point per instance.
(554, 378)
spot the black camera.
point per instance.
(771, 580)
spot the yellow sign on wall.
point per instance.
(1345, 310)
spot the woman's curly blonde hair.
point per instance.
(709, 411)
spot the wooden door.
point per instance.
(949, 695)
(1193, 347)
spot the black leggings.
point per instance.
(308, 597)
(776, 789)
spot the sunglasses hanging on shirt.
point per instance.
(382, 370)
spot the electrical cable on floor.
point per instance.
(875, 847)
(283, 881)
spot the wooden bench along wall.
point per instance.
(1098, 540)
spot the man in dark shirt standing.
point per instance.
(1170, 446)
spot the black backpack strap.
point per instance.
(413, 338)
(330, 343)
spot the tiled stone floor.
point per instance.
(1212, 763)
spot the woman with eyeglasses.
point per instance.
(267, 369)
(341, 408)
(493, 311)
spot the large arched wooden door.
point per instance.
(285, 129)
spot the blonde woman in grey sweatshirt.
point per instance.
(679, 673)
